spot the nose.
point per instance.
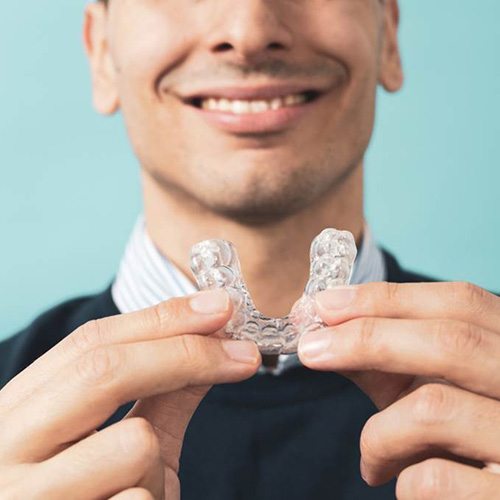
(249, 30)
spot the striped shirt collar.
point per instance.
(147, 277)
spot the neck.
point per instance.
(275, 256)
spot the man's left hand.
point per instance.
(428, 355)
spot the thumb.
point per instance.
(170, 414)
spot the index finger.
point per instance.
(183, 315)
(82, 396)
(455, 301)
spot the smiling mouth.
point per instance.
(253, 106)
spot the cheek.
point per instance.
(349, 33)
(147, 41)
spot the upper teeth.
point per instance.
(239, 106)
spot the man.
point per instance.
(251, 121)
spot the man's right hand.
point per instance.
(49, 413)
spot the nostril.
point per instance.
(223, 47)
(275, 46)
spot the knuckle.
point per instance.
(469, 296)
(98, 366)
(431, 404)
(433, 478)
(87, 337)
(375, 294)
(391, 291)
(193, 350)
(367, 333)
(139, 439)
(459, 337)
(166, 312)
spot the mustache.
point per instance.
(278, 69)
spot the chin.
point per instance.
(262, 203)
(253, 193)
(255, 212)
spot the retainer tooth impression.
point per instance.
(215, 264)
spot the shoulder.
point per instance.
(20, 350)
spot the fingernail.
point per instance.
(315, 346)
(210, 301)
(336, 298)
(242, 351)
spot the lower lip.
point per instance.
(257, 123)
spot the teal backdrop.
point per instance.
(69, 185)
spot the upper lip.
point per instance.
(249, 92)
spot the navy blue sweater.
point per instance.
(291, 437)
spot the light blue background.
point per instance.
(69, 189)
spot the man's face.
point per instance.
(176, 67)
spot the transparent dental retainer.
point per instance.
(215, 264)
